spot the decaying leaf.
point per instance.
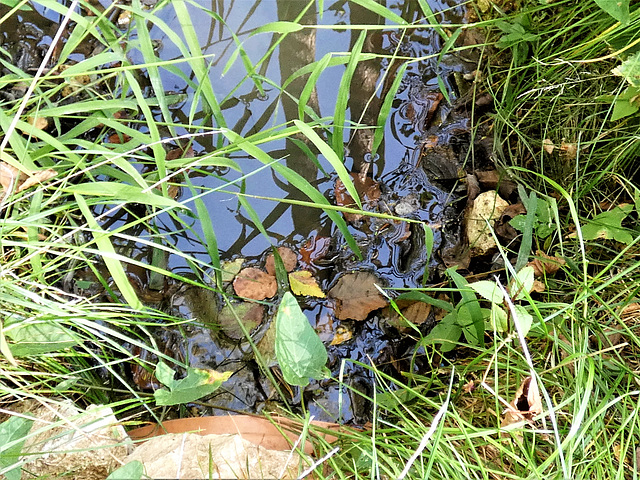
(356, 296)
(10, 176)
(486, 209)
(503, 227)
(414, 312)
(289, 259)
(303, 283)
(548, 146)
(255, 284)
(41, 123)
(314, 250)
(546, 264)
(569, 149)
(367, 188)
(343, 334)
(249, 313)
(526, 404)
(230, 269)
(40, 176)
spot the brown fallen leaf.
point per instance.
(356, 296)
(249, 313)
(40, 176)
(314, 250)
(504, 230)
(41, 123)
(10, 176)
(548, 146)
(545, 264)
(289, 259)
(303, 283)
(414, 312)
(368, 190)
(255, 284)
(526, 404)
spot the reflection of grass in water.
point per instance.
(544, 93)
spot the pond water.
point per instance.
(416, 168)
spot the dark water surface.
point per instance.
(420, 186)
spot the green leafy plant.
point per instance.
(195, 385)
(300, 352)
(12, 438)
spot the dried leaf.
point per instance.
(546, 264)
(255, 284)
(40, 176)
(526, 404)
(356, 296)
(488, 207)
(9, 176)
(303, 283)
(548, 146)
(289, 259)
(39, 123)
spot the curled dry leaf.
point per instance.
(356, 296)
(526, 404)
(255, 284)
(289, 259)
(546, 264)
(40, 176)
(10, 176)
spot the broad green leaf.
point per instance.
(618, 9)
(197, 384)
(119, 192)
(524, 319)
(300, 352)
(498, 320)
(131, 471)
(630, 70)
(608, 225)
(522, 284)
(470, 303)
(11, 433)
(38, 338)
(446, 333)
(488, 290)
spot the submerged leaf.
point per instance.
(356, 296)
(300, 352)
(255, 284)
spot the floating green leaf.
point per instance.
(197, 384)
(300, 352)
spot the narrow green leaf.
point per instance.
(118, 192)
(381, 10)
(278, 27)
(470, 302)
(342, 100)
(103, 243)
(332, 158)
(385, 109)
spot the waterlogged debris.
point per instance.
(343, 334)
(300, 352)
(367, 188)
(250, 314)
(411, 312)
(314, 250)
(197, 384)
(230, 269)
(289, 259)
(303, 283)
(356, 296)
(486, 209)
(255, 284)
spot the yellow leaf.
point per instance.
(303, 283)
